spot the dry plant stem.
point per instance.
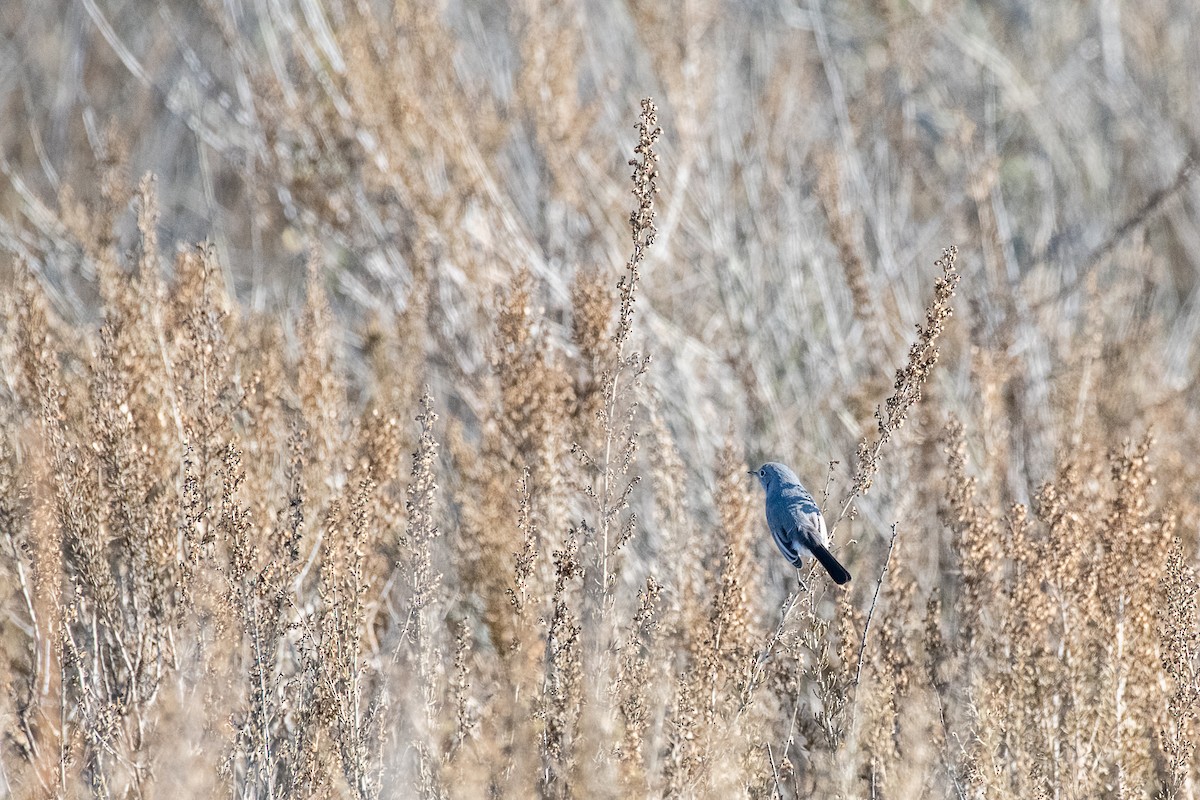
(1179, 630)
(922, 356)
(618, 428)
(774, 770)
(828, 482)
(768, 651)
(424, 588)
(862, 644)
(947, 761)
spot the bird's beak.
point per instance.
(751, 472)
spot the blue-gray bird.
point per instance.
(795, 521)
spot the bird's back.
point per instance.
(799, 496)
(793, 507)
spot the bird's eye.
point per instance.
(762, 473)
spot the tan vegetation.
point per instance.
(370, 428)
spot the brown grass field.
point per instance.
(378, 384)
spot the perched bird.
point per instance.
(795, 521)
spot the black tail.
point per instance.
(831, 565)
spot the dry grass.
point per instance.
(392, 441)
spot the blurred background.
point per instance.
(453, 179)
(815, 160)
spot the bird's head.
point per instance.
(773, 475)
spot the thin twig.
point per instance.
(1152, 204)
(764, 656)
(774, 770)
(1131, 223)
(828, 484)
(947, 762)
(862, 645)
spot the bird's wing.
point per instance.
(784, 540)
(803, 510)
(795, 526)
(807, 527)
(779, 520)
